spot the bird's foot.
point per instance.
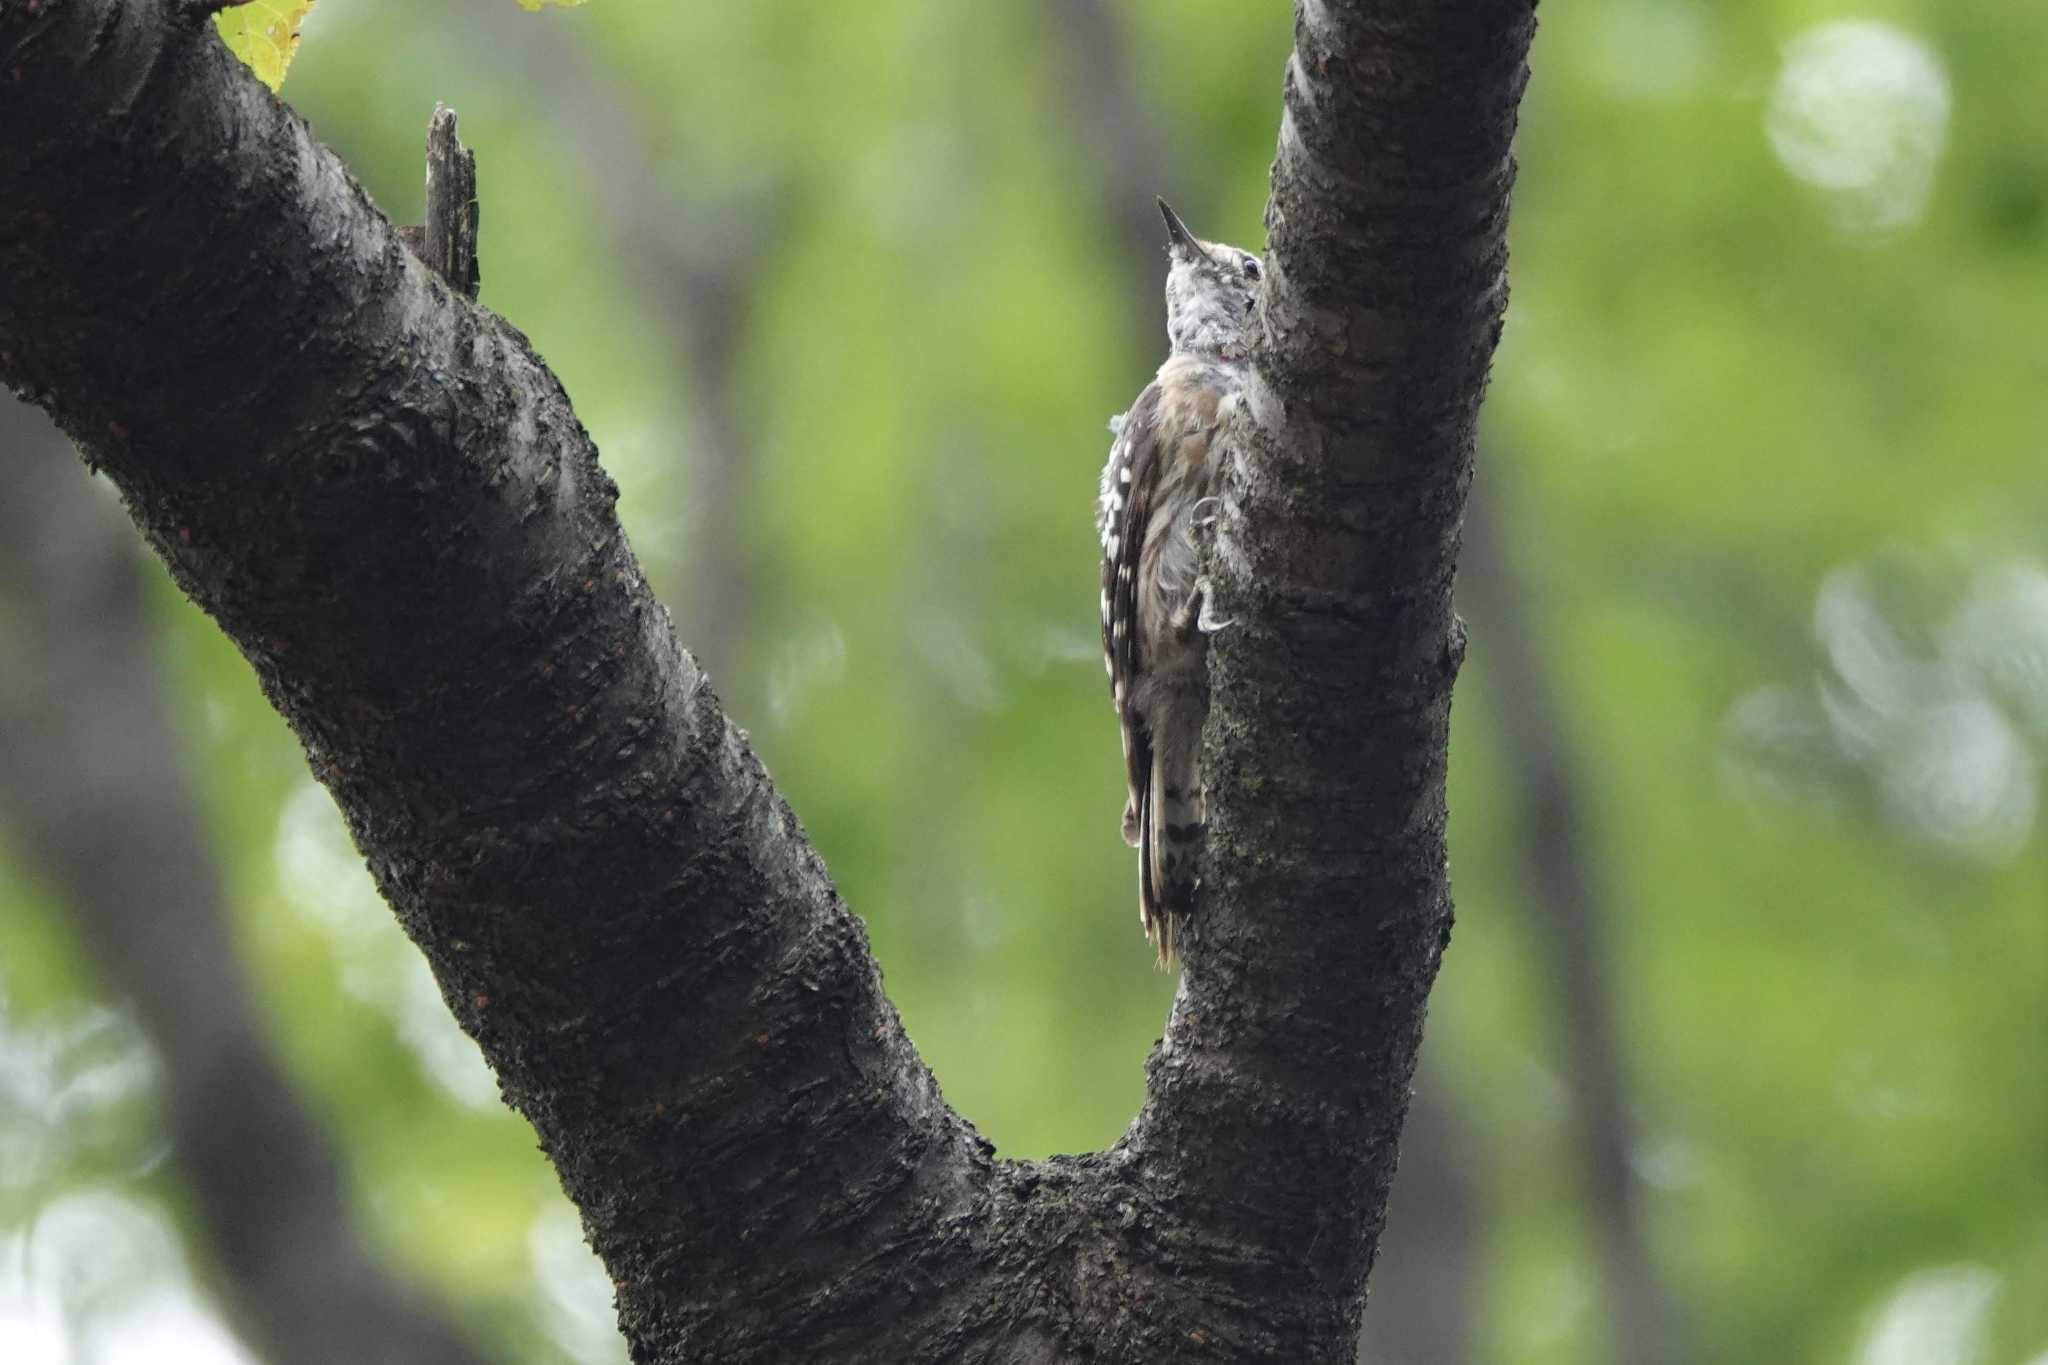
(1198, 613)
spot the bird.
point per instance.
(1155, 500)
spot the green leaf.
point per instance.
(265, 34)
(536, 5)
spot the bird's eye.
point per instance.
(1251, 266)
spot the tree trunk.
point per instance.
(385, 499)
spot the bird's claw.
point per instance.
(1198, 614)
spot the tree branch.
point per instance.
(408, 534)
(1279, 1091)
(447, 241)
(1423, 1318)
(91, 778)
(386, 501)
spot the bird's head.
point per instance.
(1211, 290)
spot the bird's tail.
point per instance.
(1170, 845)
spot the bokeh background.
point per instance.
(1740, 1053)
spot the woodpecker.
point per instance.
(1156, 609)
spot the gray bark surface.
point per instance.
(385, 499)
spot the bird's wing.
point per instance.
(1125, 512)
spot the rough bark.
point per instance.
(1327, 904)
(1421, 1307)
(92, 785)
(447, 241)
(384, 498)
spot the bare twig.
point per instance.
(447, 242)
(451, 226)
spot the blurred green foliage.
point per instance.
(1720, 386)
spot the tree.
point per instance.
(384, 498)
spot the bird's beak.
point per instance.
(1179, 240)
